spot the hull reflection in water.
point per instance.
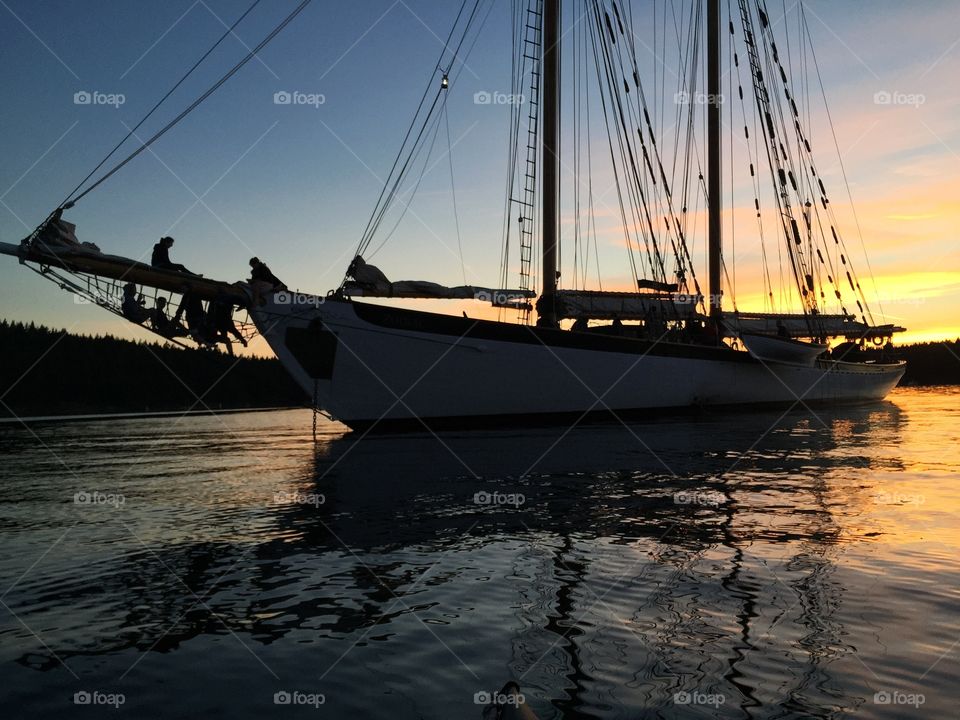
(735, 565)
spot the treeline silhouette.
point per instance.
(932, 363)
(52, 372)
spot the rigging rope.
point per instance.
(229, 74)
(843, 170)
(797, 171)
(453, 193)
(648, 189)
(406, 154)
(179, 82)
(433, 134)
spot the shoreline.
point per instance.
(33, 419)
(86, 417)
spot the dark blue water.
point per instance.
(737, 565)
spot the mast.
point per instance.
(714, 190)
(546, 309)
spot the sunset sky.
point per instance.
(295, 184)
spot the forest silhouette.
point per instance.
(52, 372)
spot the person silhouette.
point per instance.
(161, 257)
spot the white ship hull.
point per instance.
(386, 368)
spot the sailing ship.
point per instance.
(573, 353)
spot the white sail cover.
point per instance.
(369, 281)
(597, 305)
(800, 325)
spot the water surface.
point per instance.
(762, 565)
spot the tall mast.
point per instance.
(546, 309)
(714, 189)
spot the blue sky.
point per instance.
(295, 184)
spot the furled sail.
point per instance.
(801, 325)
(596, 305)
(369, 281)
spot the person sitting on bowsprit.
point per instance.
(161, 257)
(262, 280)
(164, 325)
(132, 305)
